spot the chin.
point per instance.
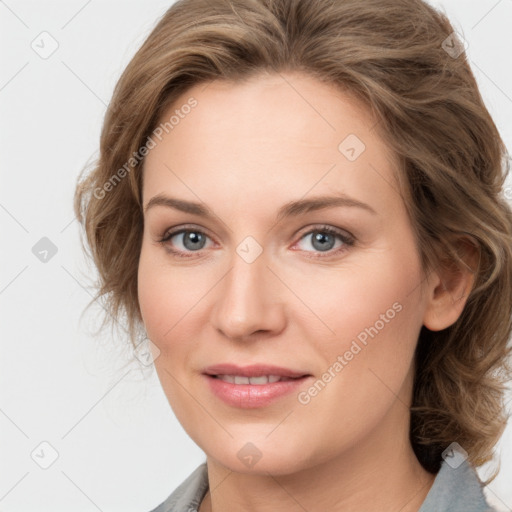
(262, 457)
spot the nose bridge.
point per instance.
(248, 300)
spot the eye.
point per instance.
(323, 240)
(186, 240)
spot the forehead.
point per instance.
(272, 132)
(266, 105)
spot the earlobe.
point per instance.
(449, 287)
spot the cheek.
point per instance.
(370, 317)
(167, 297)
(174, 305)
(334, 306)
(150, 285)
(162, 300)
(165, 294)
(366, 368)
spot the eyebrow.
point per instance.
(290, 209)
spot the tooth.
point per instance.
(263, 379)
(259, 380)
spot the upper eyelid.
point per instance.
(169, 233)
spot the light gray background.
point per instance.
(119, 445)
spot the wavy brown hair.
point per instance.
(394, 56)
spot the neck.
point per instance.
(380, 474)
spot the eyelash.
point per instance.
(348, 241)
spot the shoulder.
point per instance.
(189, 494)
(456, 489)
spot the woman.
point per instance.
(299, 203)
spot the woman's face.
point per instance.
(259, 282)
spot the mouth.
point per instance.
(255, 381)
(253, 386)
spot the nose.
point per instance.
(249, 301)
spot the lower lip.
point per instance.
(251, 396)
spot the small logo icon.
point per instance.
(146, 352)
(351, 147)
(45, 45)
(249, 249)
(454, 45)
(454, 455)
(44, 455)
(249, 454)
(44, 250)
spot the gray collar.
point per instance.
(188, 495)
(454, 490)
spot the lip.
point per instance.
(252, 396)
(254, 370)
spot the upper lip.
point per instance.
(254, 370)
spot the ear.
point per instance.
(449, 286)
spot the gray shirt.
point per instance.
(454, 490)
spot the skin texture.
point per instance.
(245, 150)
